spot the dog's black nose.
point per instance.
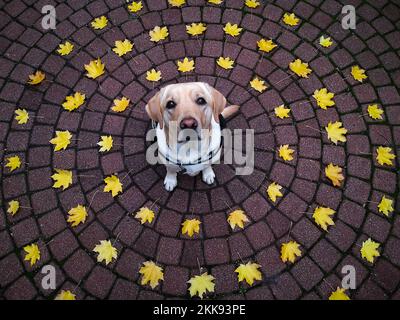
(188, 123)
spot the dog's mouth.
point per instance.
(189, 139)
(187, 135)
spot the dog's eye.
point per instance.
(201, 101)
(171, 104)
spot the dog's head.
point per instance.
(188, 105)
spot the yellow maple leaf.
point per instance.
(113, 185)
(135, 6)
(322, 217)
(94, 69)
(339, 294)
(237, 218)
(151, 273)
(13, 207)
(226, 63)
(215, 1)
(385, 206)
(77, 215)
(249, 272)
(336, 132)
(61, 140)
(120, 105)
(290, 19)
(158, 34)
(32, 253)
(22, 116)
(369, 250)
(289, 251)
(191, 226)
(74, 102)
(145, 215)
(375, 112)
(201, 284)
(36, 78)
(106, 143)
(286, 153)
(105, 251)
(300, 68)
(196, 29)
(232, 29)
(65, 295)
(186, 65)
(324, 98)
(252, 3)
(13, 163)
(176, 3)
(358, 73)
(266, 45)
(282, 112)
(258, 84)
(153, 75)
(65, 48)
(325, 42)
(122, 47)
(273, 191)
(62, 178)
(384, 155)
(100, 23)
(334, 173)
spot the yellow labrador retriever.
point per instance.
(188, 130)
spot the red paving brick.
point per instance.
(373, 45)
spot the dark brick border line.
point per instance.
(248, 120)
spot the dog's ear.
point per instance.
(219, 102)
(154, 110)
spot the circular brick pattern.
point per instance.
(218, 249)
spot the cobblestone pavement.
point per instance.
(26, 47)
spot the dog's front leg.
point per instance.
(208, 175)
(170, 180)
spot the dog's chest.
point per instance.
(191, 170)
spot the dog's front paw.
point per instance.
(208, 175)
(170, 182)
